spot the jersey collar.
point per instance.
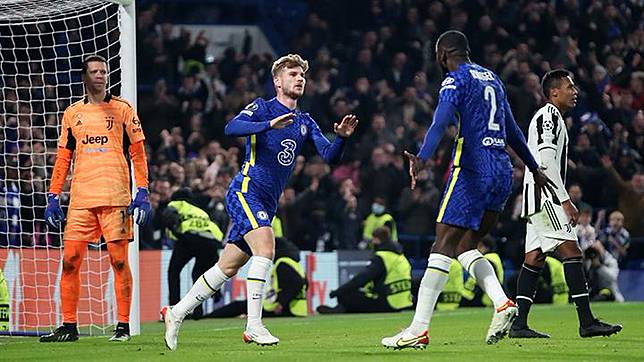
(107, 99)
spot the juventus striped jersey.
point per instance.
(548, 142)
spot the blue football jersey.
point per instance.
(480, 99)
(270, 154)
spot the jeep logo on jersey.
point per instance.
(95, 140)
(109, 120)
(262, 215)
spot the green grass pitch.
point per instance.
(454, 336)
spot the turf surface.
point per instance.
(454, 336)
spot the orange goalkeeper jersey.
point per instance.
(99, 135)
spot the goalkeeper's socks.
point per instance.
(257, 272)
(526, 290)
(431, 286)
(479, 267)
(578, 289)
(207, 284)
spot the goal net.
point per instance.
(42, 45)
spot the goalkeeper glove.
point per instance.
(53, 213)
(140, 207)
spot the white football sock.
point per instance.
(430, 288)
(207, 284)
(257, 272)
(479, 267)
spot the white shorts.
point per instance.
(548, 228)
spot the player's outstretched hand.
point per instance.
(346, 127)
(53, 213)
(140, 207)
(282, 121)
(415, 165)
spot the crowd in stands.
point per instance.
(375, 59)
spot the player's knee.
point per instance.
(535, 258)
(71, 263)
(569, 249)
(266, 253)
(443, 246)
(118, 263)
(229, 270)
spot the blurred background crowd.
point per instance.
(376, 59)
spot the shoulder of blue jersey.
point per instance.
(448, 83)
(253, 107)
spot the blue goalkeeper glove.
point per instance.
(140, 207)
(53, 213)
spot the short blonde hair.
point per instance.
(289, 61)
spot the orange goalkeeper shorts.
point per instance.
(112, 222)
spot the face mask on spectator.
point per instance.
(377, 208)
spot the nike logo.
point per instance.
(408, 342)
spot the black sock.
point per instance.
(526, 289)
(578, 289)
(70, 325)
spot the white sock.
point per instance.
(257, 272)
(479, 267)
(430, 288)
(207, 284)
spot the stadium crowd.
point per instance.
(380, 66)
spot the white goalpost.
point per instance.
(42, 44)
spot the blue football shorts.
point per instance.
(468, 195)
(247, 212)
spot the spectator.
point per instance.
(378, 218)
(576, 195)
(383, 286)
(616, 238)
(603, 272)
(631, 197)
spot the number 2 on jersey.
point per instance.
(490, 96)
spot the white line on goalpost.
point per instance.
(128, 91)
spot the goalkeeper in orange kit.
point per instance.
(96, 130)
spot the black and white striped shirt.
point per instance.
(548, 142)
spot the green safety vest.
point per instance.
(194, 220)
(4, 303)
(398, 279)
(298, 304)
(451, 295)
(374, 221)
(557, 281)
(470, 283)
(276, 224)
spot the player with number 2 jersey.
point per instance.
(479, 184)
